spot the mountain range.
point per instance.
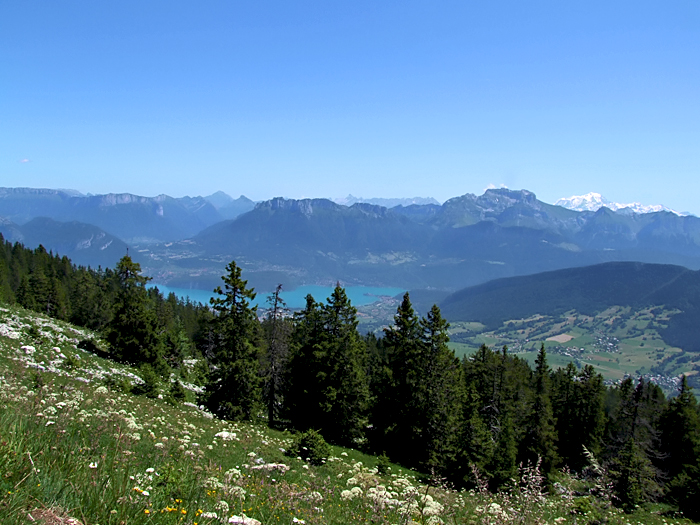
(465, 241)
(131, 218)
(595, 201)
(387, 203)
(84, 244)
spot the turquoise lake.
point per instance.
(358, 295)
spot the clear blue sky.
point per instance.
(377, 99)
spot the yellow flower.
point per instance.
(146, 511)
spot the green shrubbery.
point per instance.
(311, 447)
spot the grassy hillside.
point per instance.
(77, 448)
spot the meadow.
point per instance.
(77, 447)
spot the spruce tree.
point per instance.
(540, 436)
(345, 396)
(578, 402)
(303, 390)
(680, 439)
(631, 447)
(403, 342)
(499, 399)
(277, 329)
(502, 467)
(442, 393)
(132, 331)
(233, 389)
(328, 385)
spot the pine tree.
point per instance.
(234, 383)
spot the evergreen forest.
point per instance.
(403, 395)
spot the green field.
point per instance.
(617, 342)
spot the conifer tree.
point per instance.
(277, 329)
(302, 393)
(475, 444)
(345, 396)
(540, 436)
(578, 402)
(403, 342)
(234, 383)
(443, 393)
(503, 467)
(680, 427)
(499, 387)
(132, 331)
(328, 385)
(630, 452)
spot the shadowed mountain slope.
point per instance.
(588, 290)
(84, 244)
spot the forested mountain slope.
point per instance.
(588, 290)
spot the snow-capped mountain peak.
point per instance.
(588, 202)
(594, 201)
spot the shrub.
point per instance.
(177, 392)
(311, 447)
(149, 387)
(383, 464)
(71, 361)
(117, 383)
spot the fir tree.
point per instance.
(403, 342)
(680, 438)
(540, 436)
(442, 393)
(277, 329)
(132, 331)
(234, 383)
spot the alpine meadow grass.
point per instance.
(76, 448)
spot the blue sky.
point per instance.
(377, 99)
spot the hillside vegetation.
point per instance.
(491, 423)
(76, 449)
